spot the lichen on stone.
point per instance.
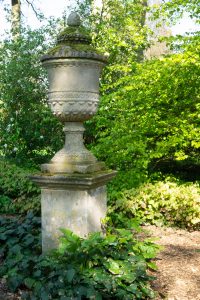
(74, 29)
(74, 41)
(71, 47)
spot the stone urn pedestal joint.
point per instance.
(73, 157)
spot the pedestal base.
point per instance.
(79, 211)
(76, 202)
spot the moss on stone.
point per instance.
(73, 46)
(69, 45)
(75, 29)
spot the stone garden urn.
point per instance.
(73, 183)
(74, 69)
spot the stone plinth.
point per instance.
(73, 201)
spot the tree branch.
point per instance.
(38, 15)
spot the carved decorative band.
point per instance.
(67, 96)
(71, 104)
(75, 116)
(74, 113)
(74, 110)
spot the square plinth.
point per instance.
(77, 202)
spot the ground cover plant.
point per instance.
(168, 202)
(99, 267)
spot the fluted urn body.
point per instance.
(74, 88)
(74, 69)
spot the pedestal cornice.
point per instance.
(73, 181)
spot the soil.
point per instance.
(5, 294)
(178, 275)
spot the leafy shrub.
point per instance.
(150, 116)
(126, 180)
(17, 192)
(162, 203)
(5, 204)
(27, 127)
(99, 267)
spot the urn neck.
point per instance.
(74, 136)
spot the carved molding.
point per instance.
(75, 37)
(70, 105)
(69, 95)
(81, 156)
(66, 53)
(74, 127)
(63, 63)
(74, 116)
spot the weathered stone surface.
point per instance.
(73, 201)
(78, 210)
(73, 157)
(73, 181)
(73, 19)
(72, 167)
(74, 88)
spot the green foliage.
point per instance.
(17, 193)
(162, 203)
(150, 117)
(177, 8)
(19, 246)
(27, 127)
(5, 204)
(153, 116)
(118, 29)
(99, 267)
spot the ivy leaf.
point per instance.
(44, 295)
(132, 288)
(70, 274)
(113, 266)
(14, 282)
(28, 239)
(29, 282)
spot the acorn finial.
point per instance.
(74, 19)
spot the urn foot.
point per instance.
(62, 168)
(73, 157)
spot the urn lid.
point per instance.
(74, 42)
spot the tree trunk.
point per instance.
(16, 18)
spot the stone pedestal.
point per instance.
(73, 201)
(73, 183)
